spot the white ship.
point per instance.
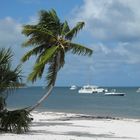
(91, 89)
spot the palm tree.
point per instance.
(16, 120)
(9, 78)
(51, 39)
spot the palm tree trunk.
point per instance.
(41, 100)
(50, 88)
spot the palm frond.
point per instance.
(52, 73)
(46, 57)
(28, 32)
(65, 28)
(34, 51)
(43, 60)
(5, 56)
(54, 66)
(37, 31)
(73, 32)
(53, 14)
(35, 74)
(80, 49)
(39, 36)
(9, 78)
(49, 20)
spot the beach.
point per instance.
(67, 126)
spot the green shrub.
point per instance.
(16, 121)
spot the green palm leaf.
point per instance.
(53, 14)
(79, 49)
(65, 28)
(28, 32)
(73, 32)
(34, 51)
(9, 78)
(39, 31)
(52, 73)
(50, 20)
(39, 67)
(5, 56)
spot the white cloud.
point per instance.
(111, 19)
(121, 53)
(114, 26)
(10, 32)
(11, 37)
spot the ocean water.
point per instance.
(64, 100)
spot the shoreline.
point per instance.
(75, 115)
(70, 126)
(95, 115)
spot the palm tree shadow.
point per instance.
(69, 133)
(77, 134)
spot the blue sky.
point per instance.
(112, 30)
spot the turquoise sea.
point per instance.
(64, 100)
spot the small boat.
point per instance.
(138, 90)
(73, 87)
(91, 89)
(114, 93)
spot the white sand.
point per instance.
(65, 126)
